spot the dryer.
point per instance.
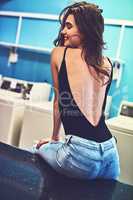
(122, 128)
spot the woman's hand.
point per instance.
(45, 141)
(41, 142)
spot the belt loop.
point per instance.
(68, 139)
(102, 148)
(115, 139)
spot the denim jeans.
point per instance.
(77, 157)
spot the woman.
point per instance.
(81, 77)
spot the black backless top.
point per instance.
(73, 120)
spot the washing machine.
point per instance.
(37, 123)
(121, 127)
(11, 117)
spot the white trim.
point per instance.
(40, 49)
(29, 15)
(7, 44)
(28, 47)
(18, 30)
(118, 22)
(120, 42)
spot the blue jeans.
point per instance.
(81, 158)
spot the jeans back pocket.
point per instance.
(62, 156)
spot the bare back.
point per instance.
(87, 91)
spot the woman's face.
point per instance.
(71, 34)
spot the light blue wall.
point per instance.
(30, 66)
(35, 66)
(36, 6)
(119, 9)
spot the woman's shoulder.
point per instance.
(107, 61)
(58, 50)
(57, 56)
(107, 65)
(57, 53)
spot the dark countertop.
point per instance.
(26, 176)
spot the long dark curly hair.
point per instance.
(90, 23)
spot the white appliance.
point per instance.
(12, 108)
(40, 92)
(37, 123)
(122, 128)
(11, 117)
(37, 91)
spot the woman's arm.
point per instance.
(56, 113)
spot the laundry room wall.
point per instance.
(32, 65)
(35, 66)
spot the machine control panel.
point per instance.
(127, 109)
